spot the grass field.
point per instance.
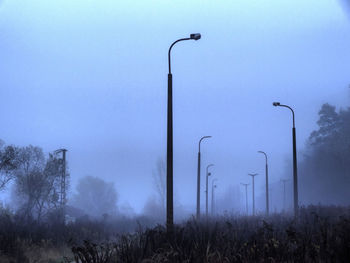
(320, 234)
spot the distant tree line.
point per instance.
(324, 171)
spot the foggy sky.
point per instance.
(91, 76)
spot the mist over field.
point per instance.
(83, 134)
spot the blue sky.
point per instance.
(90, 76)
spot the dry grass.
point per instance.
(320, 235)
(46, 253)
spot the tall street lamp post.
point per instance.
(206, 190)
(295, 168)
(169, 202)
(267, 182)
(246, 197)
(253, 175)
(199, 177)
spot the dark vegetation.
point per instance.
(321, 234)
(20, 239)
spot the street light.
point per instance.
(267, 182)
(295, 168)
(253, 175)
(212, 195)
(199, 177)
(206, 190)
(170, 201)
(246, 196)
(195, 36)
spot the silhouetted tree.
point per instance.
(8, 163)
(95, 196)
(325, 169)
(37, 183)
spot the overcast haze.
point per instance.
(91, 76)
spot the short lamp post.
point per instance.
(253, 175)
(198, 214)
(267, 182)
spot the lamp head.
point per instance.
(276, 104)
(195, 36)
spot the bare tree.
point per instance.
(8, 163)
(47, 197)
(37, 183)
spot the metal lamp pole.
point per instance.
(206, 190)
(267, 182)
(169, 202)
(253, 175)
(295, 168)
(199, 177)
